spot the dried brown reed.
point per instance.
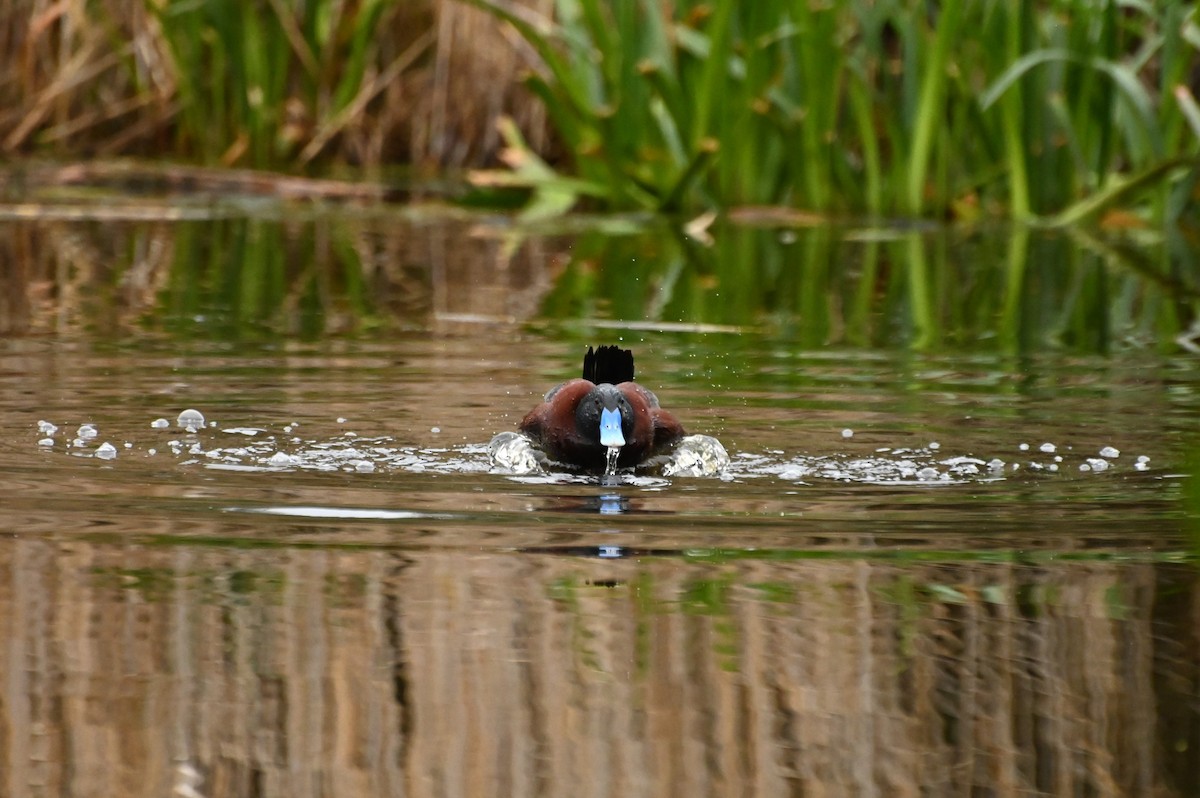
(123, 78)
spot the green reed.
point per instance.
(1015, 107)
(267, 82)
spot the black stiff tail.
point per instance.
(608, 364)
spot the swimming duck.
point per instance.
(580, 420)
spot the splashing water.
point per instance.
(697, 456)
(257, 448)
(513, 453)
(610, 462)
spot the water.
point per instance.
(948, 556)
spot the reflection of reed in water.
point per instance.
(318, 672)
(61, 277)
(330, 275)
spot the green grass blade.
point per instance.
(929, 105)
(1119, 189)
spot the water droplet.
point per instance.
(363, 465)
(1024, 447)
(1048, 447)
(995, 464)
(847, 433)
(191, 420)
(46, 442)
(106, 451)
(1097, 464)
(435, 430)
(46, 428)
(341, 420)
(1110, 451)
(1141, 458)
(87, 432)
(159, 423)
(128, 445)
(152, 452)
(935, 445)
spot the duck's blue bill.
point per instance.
(610, 428)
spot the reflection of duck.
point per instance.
(580, 420)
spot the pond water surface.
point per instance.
(954, 553)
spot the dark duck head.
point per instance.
(580, 420)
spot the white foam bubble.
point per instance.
(106, 451)
(191, 420)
